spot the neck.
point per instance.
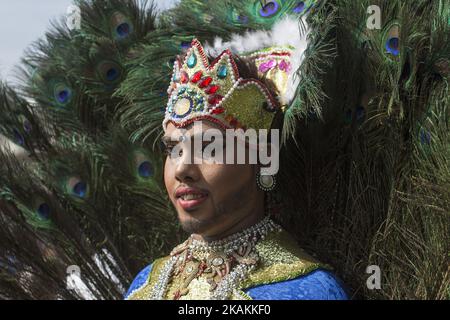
(253, 217)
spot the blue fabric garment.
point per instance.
(140, 280)
(317, 285)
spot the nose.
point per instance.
(186, 170)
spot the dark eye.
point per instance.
(166, 149)
(169, 151)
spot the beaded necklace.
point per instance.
(226, 262)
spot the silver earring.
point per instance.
(266, 182)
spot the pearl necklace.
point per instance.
(240, 246)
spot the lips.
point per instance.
(190, 198)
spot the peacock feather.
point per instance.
(366, 144)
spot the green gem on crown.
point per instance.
(222, 73)
(192, 61)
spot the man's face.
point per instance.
(210, 198)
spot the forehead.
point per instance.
(202, 125)
(198, 128)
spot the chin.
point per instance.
(198, 214)
(194, 225)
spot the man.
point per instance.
(235, 251)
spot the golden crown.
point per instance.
(215, 92)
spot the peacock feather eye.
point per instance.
(392, 39)
(237, 17)
(392, 45)
(43, 211)
(123, 30)
(38, 212)
(18, 137)
(121, 26)
(77, 187)
(299, 7)
(425, 137)
(62, 94)
(80, 189)
(110, 72)
(145, 169)
(26, 124)
(269, 8)
(242, 19)
(143, 165)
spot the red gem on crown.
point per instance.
(196, 77)
(205, 82)
(212, 89)
(218, 110)
(184, 77)
(213, 100)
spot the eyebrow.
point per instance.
(167, 139)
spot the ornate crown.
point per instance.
(200, 90)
